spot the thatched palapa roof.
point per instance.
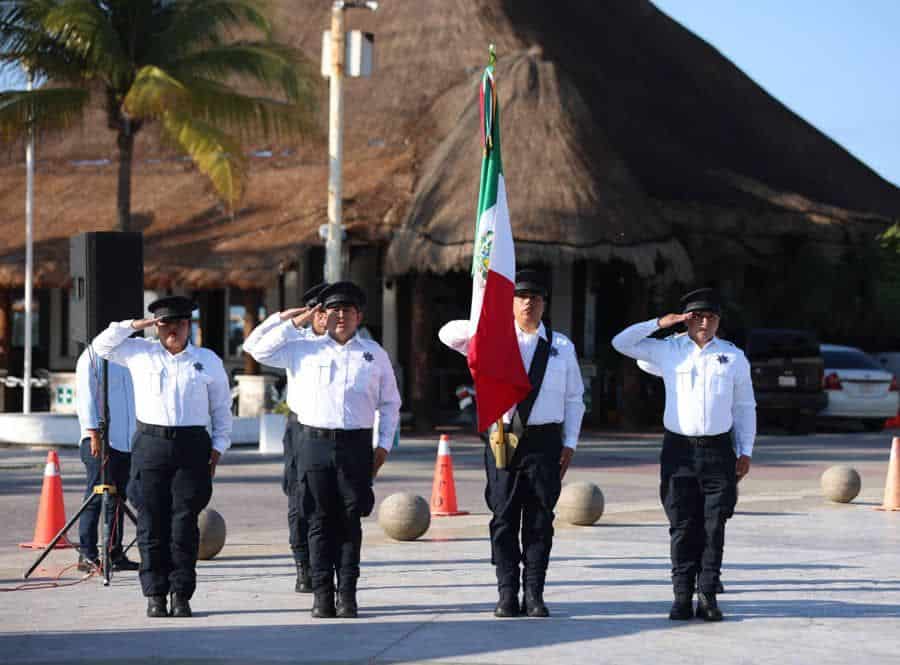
(624, 131)
(559, 188)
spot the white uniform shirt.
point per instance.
(708, 390)
(190, 388)
(273, 321)
(561, 397)
(89, 400)
(337, 386)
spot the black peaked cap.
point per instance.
(342, 293)
(311, 296)
(172, 308)
(701, 300)
(531, 281)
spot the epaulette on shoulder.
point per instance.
(559, 338)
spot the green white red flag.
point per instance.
(494, 359)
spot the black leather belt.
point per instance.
(172, 432)
(547, 428)
(713, 440)
(336, 434)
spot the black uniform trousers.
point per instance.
(118, 467)
(698, 489)
(334, 492)
(522, 498)
(297, 524)
(172, 472)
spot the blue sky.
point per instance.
(836, 63)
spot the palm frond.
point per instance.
(248, 115)
(154, 92)
(43, 109)
(274, 65)
(196, 24)
(85, 30)
(216, 154)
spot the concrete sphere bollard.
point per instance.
(841, 484)
(404, 516)
(580, 504)
(212, 533)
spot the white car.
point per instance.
(857, 387)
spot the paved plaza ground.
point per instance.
(806, 581)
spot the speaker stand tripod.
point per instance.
(105, 492)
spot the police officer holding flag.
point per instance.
(522, 494)
(710, 422)
(180, 390)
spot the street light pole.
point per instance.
(335, 146)
(335, 66)
(29, 253)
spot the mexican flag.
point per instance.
(494, 359)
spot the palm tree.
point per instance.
(176, 62)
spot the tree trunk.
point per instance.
(420, 353)
(252, 303)
(125, 142)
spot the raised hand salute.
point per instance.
(710, 421)
(143, 324)
(301, 316)
(183, 408)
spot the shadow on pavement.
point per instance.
(398, 641)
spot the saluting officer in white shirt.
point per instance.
(89, 405)
(180, 390)
(298, 527)
(523, 495)
(342, 380)
(710, 422)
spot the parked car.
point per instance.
(858, 387)
(786, 367)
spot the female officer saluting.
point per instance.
(179, 390)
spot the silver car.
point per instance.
(858, 388)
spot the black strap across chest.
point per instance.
(536, 375)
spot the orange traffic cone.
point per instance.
(892, 483)
(443, 491)
(51, 516)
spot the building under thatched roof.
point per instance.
(637, 159)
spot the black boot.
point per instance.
(682, 607)
(533, 604)
(181, 607)
(707, 607)
(156, 607)
(719, 587)
(123, 563)
(323, 605)
(304, 582)
(507, 605)
(346, 604)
